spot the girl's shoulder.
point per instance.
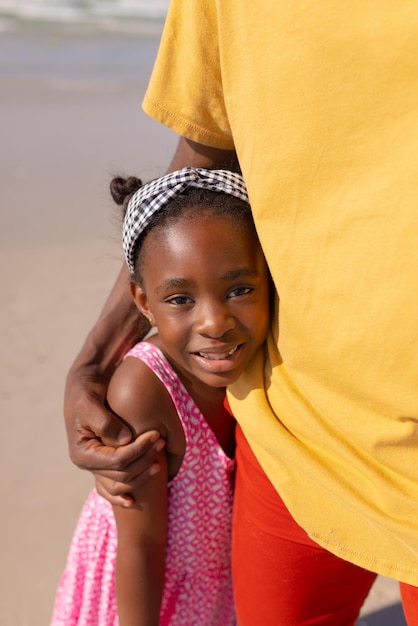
(137, 392)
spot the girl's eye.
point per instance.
(178, 300)
(240, 291)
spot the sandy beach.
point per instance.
(70, 119)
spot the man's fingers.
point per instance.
(142, 448)
(136, 457)
(97, 425)
(111, 430)
(123, 481)
(116, 486)
(125, 463)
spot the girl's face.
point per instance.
(206, 285)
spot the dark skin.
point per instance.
(212, 316)
(99, 441)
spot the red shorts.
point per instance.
(281, 577)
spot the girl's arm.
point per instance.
(140, 399)
(140, 565)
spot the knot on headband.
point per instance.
(155, 195)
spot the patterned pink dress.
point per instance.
(198, 586)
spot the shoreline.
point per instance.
(74, 54)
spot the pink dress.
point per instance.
(198, 586)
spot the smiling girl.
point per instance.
(198, 274)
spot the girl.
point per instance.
(198, 274)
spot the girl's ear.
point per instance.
(140, 299)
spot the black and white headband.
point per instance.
(154, 195)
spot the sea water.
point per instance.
(69, 40)
(112, 15)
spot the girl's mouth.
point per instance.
(217, 356)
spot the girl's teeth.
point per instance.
(218, 357)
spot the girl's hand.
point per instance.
(117, 486)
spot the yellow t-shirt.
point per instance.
(320, 101)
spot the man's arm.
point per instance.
(197, 155)
(97, 439)
(95, 435)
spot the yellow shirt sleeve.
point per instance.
(196, 108)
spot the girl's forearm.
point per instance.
(142, 538)
(140, 584)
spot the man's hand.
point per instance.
(104, 445)
(98, 440)
(117, 485)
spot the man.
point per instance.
(319, 102)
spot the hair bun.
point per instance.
(123, 188)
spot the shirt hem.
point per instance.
(185, 127)
(374, 564)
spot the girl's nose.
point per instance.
(214, 320)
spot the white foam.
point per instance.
(91, 11)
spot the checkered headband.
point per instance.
(154, 195)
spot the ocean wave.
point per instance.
(101, 14)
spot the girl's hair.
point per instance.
(192, 202)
